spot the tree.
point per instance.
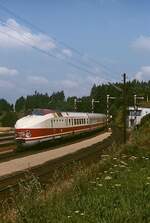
(20, 104)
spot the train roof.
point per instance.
(57, 114)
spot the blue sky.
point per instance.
(112, 36)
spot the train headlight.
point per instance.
(28, 134)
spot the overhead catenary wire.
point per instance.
(45, 52)
(6, 9)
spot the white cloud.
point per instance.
(142, 43)
(37, 80)
(6, 84)
(69, 84)
(4, 71)
(143, 74)
(67, 52)
(12, 34)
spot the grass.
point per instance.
(114, 190)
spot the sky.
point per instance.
(69, 45)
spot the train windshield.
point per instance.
(135, 112)
(41, 111)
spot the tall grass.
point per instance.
(115, 189)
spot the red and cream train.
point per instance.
(45, 124)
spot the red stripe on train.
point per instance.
(48, 132)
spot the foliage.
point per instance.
(9, 119)
(20, 104)
(116, 189)
(5, 106)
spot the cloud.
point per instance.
(12, 34)
(143, 74)
(67, 52)
(142, 43)
(6, 84)
(4, 71)
(37, 80)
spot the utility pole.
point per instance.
(94, 101)
(124, 108)
(147, 98)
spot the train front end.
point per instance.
(33, 128)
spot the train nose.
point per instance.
(23, 134)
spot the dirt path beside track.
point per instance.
(24, 163)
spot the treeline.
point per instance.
(10, 113)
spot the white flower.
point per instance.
(124, 163)
(92, 182)
(77, 211)
(114, 158)
(100, 185)
(148, 178)
(108, 178)
(82, 214)
(117, 185)
(133, 158)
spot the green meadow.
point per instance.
(114, 189)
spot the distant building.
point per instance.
(135, 115)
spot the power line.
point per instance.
(46, 53)
(107, 70)
(30, 38)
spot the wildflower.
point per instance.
(122, 166)
(124, 156)
(100, 185)
(147, 183)
(104, 156)
(147, 158)
(115, 165)
(108, 178)
(133, 158)
(148, 178)
(82, 214)
(105, 171)
(117, 185)
(68, 216)
(97, 178)
(124, 163)
(77, 211)
(92, 182)
(114, 158)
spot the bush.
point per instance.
(9, 119)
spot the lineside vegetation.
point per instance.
(115, 189)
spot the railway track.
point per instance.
(6, 139)
(10, 152)
(45, 171)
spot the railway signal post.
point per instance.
(94, 101)
(108, 109)
(75, 103)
